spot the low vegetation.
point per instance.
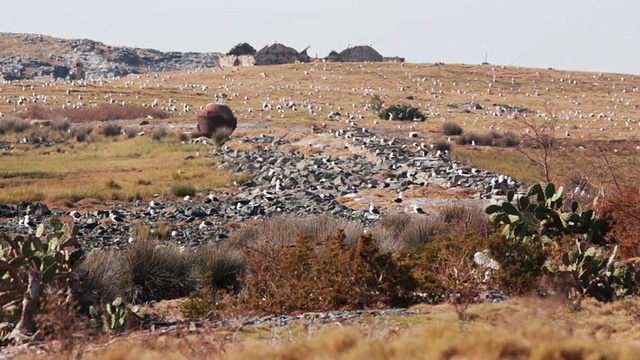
(401, 113)
(290, 264)
(102, 112)
(84, 161)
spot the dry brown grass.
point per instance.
(522, 328)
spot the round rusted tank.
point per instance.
(215, 116)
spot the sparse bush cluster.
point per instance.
(492, 138)
(13, 125)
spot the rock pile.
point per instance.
(290, 183)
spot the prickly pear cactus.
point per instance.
(27, 264)
(587, 272)
(538, 216)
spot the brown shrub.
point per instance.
(326, 275)
(624, 208)
(444, 268)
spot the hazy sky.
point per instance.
(592, 35)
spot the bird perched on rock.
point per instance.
(214, 116)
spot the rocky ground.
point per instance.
(284, 182)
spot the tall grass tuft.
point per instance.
(221, 135)
(152, 272)
(451, 128)
(224, 263)
(181, 190)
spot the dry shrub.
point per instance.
(111, 184)
(451, 128)
(131, 133)
(13, 125)
(399, 231)
(95, 113)
(624, 207)
(82, 133)
(444, 268)
(158, 133)
(470, 217)
(509, 139)
(323, 276)
(477, 139)
(60, 124)
(110, 129)
(60, 319)
(39, 135)
(221, 135)
(283, 230)
(103, 276)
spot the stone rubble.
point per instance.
(281, 183)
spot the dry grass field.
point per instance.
(585, 109)
(517, 329)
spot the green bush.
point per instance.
(521, 264)
(401, 112)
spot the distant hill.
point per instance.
(24, 56)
